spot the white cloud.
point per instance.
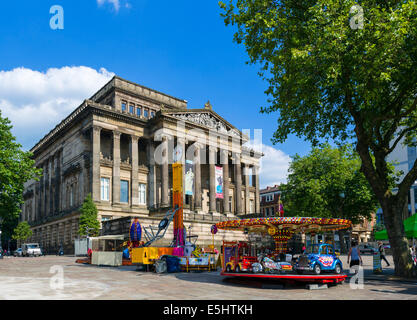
(273, 165)
(36, 102)
(115, 3)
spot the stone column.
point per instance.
(135, 170)
(74, 229)
(181, 144)
(164, 174)
(96, 132)
(238, 184)
(64, 233)
(197, 171)
(60, 235)
(48, 237)
(255, 179)
(45, 189)
(212, 181)
(51, 183)
(225, 161)
(116, 167)
(57, 195)
(37, 199)
(247, 193)
(152, 175)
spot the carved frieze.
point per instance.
(207, 120)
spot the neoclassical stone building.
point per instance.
(119, 146)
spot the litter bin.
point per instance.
(173, 264)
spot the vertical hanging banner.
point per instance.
(189, 178)
(219, 182)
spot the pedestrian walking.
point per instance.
(381, 250)
(303, 248)
(413, 254)
(354, 256)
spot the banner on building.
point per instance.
(219, 182)
(189, 178)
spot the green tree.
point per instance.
(16, 167)
(328, 183)
(22, 232)
(332, 78)
(89, 223)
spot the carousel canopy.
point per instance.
(293, 224)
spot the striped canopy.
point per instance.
(295, 224)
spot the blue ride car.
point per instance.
(317, 258)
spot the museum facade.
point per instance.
(119, 145)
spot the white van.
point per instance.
(31, 249)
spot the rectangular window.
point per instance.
(230, 204)
(251, 209)
(124, 191)
(142, 193)
(138, 111)
(105, 189)
(71, 197)
(145, 113)
(132, 109)
(152, 114)
(123, 106)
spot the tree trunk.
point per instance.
(343, 249)
(393, 220)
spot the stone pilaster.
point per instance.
(116, 167)
(64, 233)
(164, 174)
(238, 184)
(152, 175)
(61, 228)
(96, 133)
(135, 170)
(48, 237)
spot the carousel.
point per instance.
(318, 263)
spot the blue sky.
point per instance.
(181, 48)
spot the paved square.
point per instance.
(31, 278)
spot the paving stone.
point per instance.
(29, 278)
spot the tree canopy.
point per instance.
(343, 71)
(22, 231)
(16, 167)
(89, 225)
(328, 183)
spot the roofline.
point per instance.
(138, 85)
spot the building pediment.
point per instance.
(208, 119)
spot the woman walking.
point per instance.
(354, 255)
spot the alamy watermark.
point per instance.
(57, 20)
(356, 21)
(356, 281)
(56, 282)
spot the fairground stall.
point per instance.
(319, 263)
